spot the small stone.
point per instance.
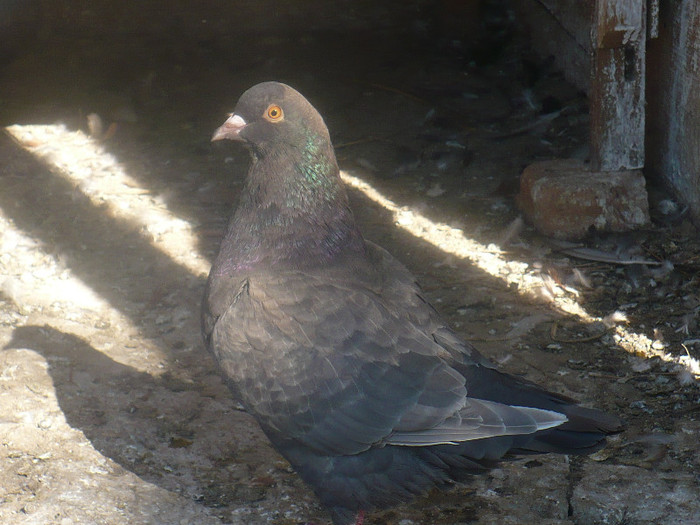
(667, 207)
(435, 190)
(565, 199)
(102, 324)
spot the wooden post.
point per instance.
(617, 85)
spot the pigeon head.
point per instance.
(272, 115)
(293, 208)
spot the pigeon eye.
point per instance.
(274, 113)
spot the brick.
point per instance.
(565, 199)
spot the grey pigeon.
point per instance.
(327, 340)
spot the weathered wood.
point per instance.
(618, 23)
(653, 19)
(673, 133)
(616, 94)
(600, 47)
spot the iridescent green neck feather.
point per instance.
(293, 211)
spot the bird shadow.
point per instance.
(110, 254)
(111, 403)
(167, 430)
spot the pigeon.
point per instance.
(328, 341)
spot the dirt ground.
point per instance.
(111, 411)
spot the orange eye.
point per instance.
(274, 113)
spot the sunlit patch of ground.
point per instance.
(492, 260)
(97, 174)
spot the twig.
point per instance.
(555, 327)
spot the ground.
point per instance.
(112, 412)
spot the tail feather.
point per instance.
(583, 433)
(563, 442)
(582, 419)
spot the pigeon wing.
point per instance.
(339, 366)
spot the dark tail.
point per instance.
(583, 433)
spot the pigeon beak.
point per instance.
(230, 129)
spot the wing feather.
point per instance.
(340, 365)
